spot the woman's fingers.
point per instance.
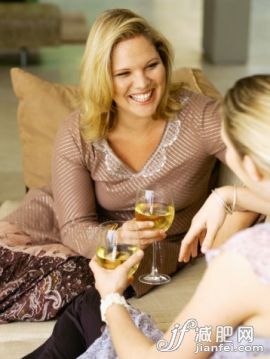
(132, 260)
(114, 280)
(138, 225)
(93, 264)
(194, 248)
(186, 244)
(142, 231)
(209, 238)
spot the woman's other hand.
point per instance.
(204, 227)
(116, 280)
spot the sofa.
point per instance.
(25, 26)
(28, 25)
(41, 107)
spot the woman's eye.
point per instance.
(152, 65)
(122, 74)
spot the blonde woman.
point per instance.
(234, 293)
(134, 128)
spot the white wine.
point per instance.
(162, 215)
(113, 257)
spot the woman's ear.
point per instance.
(251, 169)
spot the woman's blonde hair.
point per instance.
(111, 27)
(247, 118)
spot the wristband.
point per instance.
(112, 298)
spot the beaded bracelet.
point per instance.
(112, 298)
(229, 208)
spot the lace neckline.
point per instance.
(153, 165)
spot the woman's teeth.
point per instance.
(142, 97)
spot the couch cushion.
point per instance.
(43, 105)
(195, 80)
(165, 302)
(19, 339)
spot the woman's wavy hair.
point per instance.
(246, 119)
(96, 88)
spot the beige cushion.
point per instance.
(7, 207)
(195, 80)
(43, 105)
(19, 339)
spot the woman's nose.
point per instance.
(141, 80)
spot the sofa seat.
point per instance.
(20, 338)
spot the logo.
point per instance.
(203, 338)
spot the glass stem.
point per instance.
(154, 270)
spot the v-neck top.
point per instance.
(91, 184)
(154, 162)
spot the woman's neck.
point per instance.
(135, 125)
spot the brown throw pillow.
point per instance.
(43, 105)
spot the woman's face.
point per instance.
(138, 76)
(242, 167)
(231, 156)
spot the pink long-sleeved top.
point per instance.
(91, 184)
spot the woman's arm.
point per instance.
(246, 199)
(73, 190)
(247, 209)
(226, 296)
(212, 226)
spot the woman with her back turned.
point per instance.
(234, 292)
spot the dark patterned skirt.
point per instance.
(36, 282)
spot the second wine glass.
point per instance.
(155, 204)
(115, 246)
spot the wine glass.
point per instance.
(116, 245)
(155, 204)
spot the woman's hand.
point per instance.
(204, 227)
(116, 280)
(142, 231)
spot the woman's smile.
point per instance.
(143, 98)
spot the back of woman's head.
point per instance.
(111, 27)
(247, 118)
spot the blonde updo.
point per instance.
(246, 119)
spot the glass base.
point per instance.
(155, 279)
